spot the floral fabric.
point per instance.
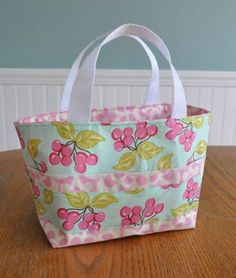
(132, 170)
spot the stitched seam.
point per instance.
(120, 228)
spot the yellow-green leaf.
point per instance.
(194, 205)
(151, 220)
(201, 147)
(48, 196)
(102, 200)
(198, 122)
(88, 139)
(126, 161)
(184, 208)
(165, 162)
(65, 130)
(40, 209)
(148, 150)
(135, 191)
(78, 200)
(32, 147)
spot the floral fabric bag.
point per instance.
(100, 174)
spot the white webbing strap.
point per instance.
(152, 92)
(80, 102)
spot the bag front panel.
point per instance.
(115, 179)
(72, 149)
(96, 216)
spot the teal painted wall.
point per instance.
(201, 35)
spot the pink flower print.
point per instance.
(22, 142)
(106, 116)
(35, 190)
(85, 216)
(182, 130)
(192, 191)
(138, 215)
(130, 139)
(165, 186)
(71, 152)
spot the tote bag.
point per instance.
(101, 174)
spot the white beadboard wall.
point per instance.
(31, 91)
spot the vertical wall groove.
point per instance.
(16, 108)
(37, 95)
(223, 114)
(58, 98)
(30, 99)
(4, 130)
(44, 99)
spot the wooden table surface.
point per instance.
(207, 251)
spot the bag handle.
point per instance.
(80, 102)
(152, 92)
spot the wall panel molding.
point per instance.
(31, 91)
(117, 77)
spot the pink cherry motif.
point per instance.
(170, 135)
(128, 131)
(35, 189)
(125, 222)
(56, 146)
(66, 161)
(191, 194)
(135, 218)
(190, 183)
(187, 146)
(150, 202)
(148, 211)
(94, 228)
(92, 159)
(99, 217)
(81, 158)
(182, 139)
(54, 158)
(193, 136)
(141, 132)
(152, 130)
(185, 196)
(159, 208)
(88, 217)
(137, 210)
(118, 146)
(68, 226)
(73, 216)
(125, 211)
(43, 166)
(128, 140)
(170, 122)
(80, 168)
(66, 151)
(188, 133)
(62, 213)
(177, 128)
(83, 225)
(116, 134)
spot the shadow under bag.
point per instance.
(101, 174)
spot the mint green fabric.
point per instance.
(108, 157)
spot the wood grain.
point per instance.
(207, 251)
